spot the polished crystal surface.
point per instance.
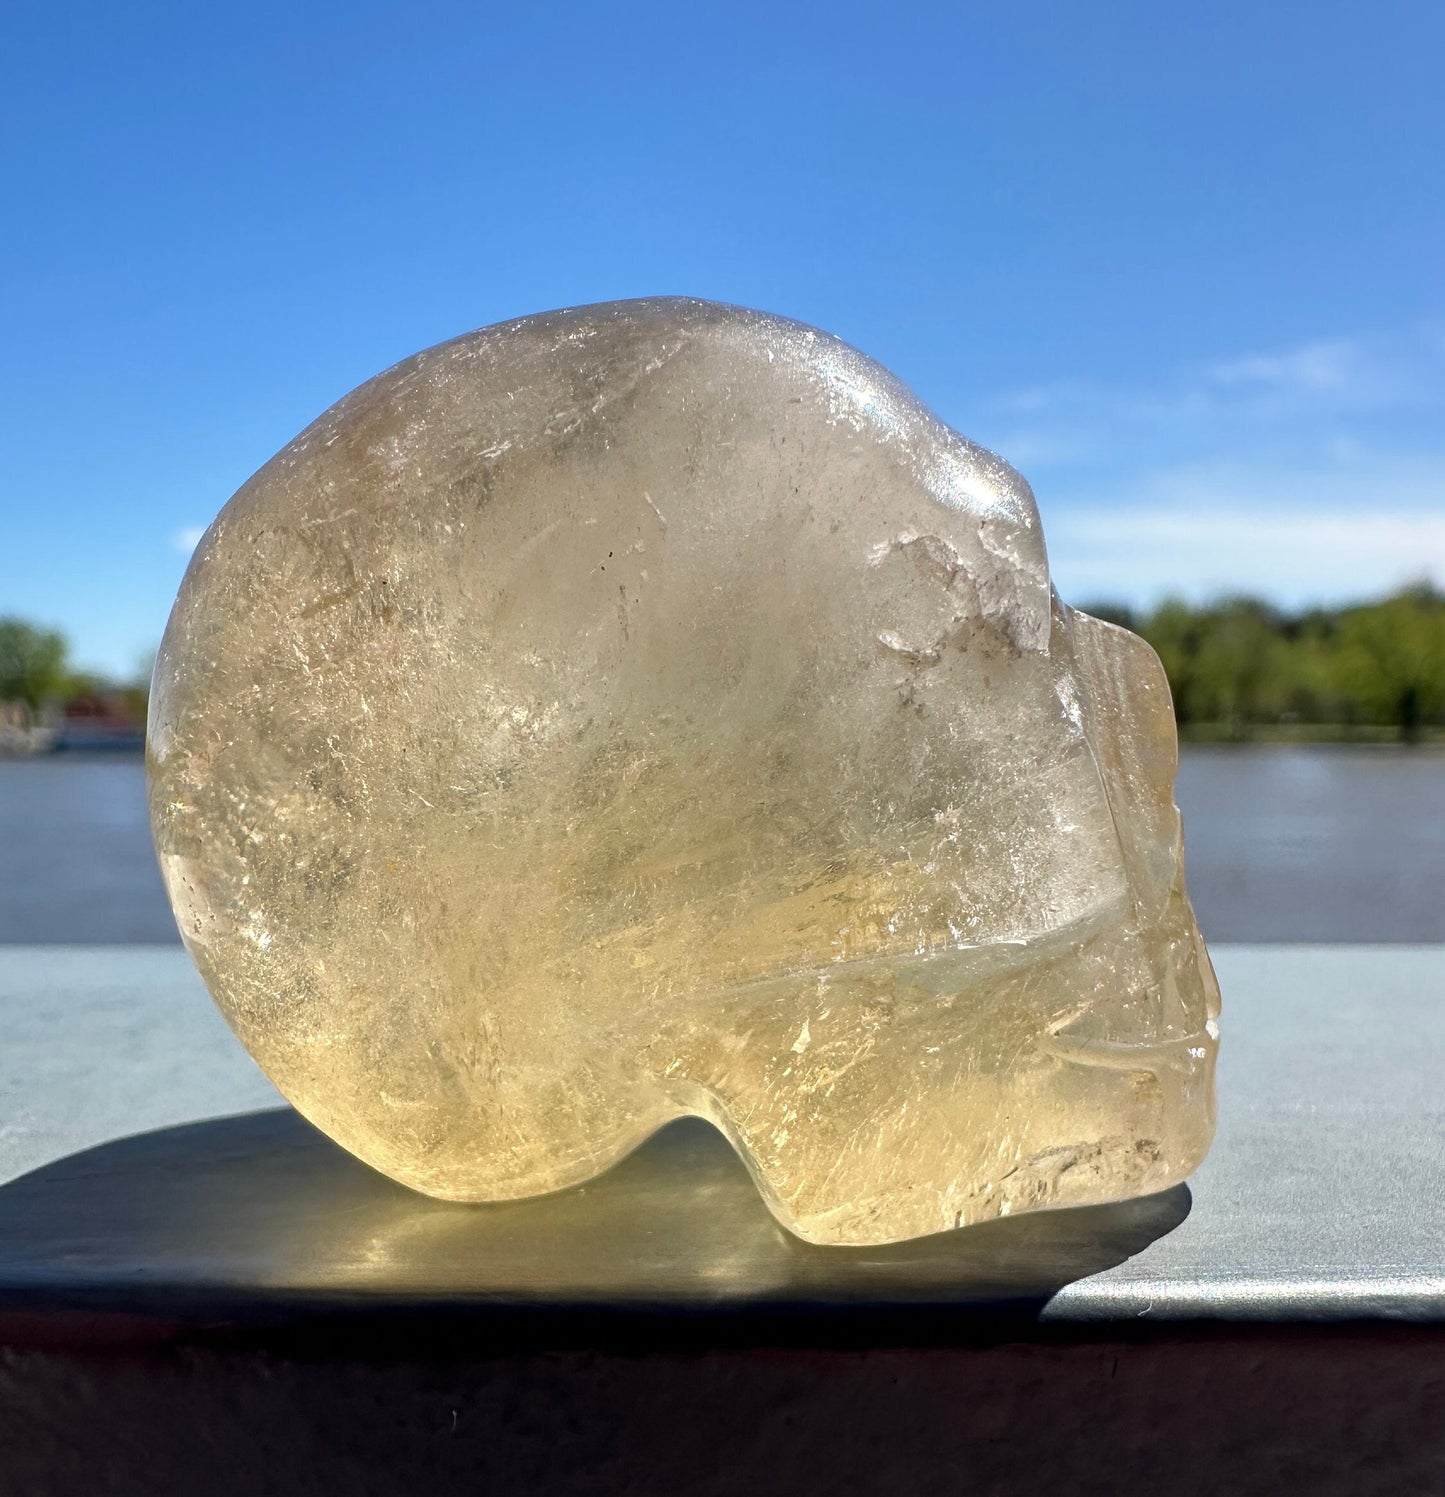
(651, 709)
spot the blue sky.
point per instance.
(1181, 265)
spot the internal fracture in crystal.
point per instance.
(650, 709)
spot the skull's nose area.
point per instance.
(1133, 738)
(1135, 744)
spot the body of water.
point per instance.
(1326, 843)
(76, 862)
(1284, 844)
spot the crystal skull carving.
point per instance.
(653, 709)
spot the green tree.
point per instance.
(1114, 613)
(33, 663)
(1239, 666)
(1392, 658)
(1173, 629)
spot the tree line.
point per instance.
(1239, 668)
(36, 672)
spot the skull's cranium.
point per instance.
(651, 709)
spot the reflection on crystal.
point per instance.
(652, 709)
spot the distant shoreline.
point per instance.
(1313, 735)
(1194, 735)
(90, 752)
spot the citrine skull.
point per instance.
(651, 709)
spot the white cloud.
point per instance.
(187, 538)
(1299, 398)
(1297, 536)
(1307, 473)
(1324, 365)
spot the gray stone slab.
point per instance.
(1323, 1199)
(98, 1042)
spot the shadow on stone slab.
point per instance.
(259, 1219)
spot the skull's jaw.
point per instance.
(893, 1112)
(1078, 1070)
